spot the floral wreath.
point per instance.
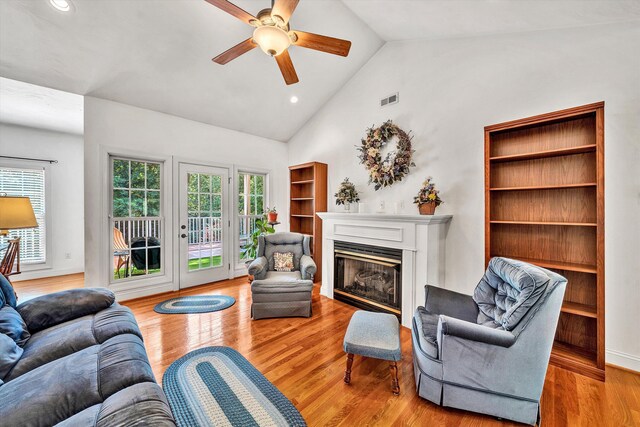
(391, 169)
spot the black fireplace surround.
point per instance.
(368, 277)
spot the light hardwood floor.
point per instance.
(304, 359)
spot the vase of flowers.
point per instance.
(272, 214)
(347, 194)
(428, 198)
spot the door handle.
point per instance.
(183, 226)
(184, 236)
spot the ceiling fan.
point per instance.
(273, 35)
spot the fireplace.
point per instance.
(368, 277)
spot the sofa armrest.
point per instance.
(50, 310)
(474, 332)
(258, 267)
(453, 304)
(307, 267)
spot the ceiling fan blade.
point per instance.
(284, 9)
(234, 52)
(234, 10)
(323, 43)
(286, 68)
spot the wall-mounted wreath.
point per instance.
(395, 165)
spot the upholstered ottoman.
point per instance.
(375, 335)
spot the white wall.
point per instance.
(451, 89)
(67, 193)
(113, 126)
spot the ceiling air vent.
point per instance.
(392, 99)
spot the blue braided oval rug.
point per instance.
(217, 386)
(196, 304)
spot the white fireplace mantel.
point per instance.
(420, 237)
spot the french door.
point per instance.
(204, 226)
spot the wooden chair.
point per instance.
(11, 259)
(120, 250)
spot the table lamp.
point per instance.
(15, 212)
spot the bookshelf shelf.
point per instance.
(544, 195)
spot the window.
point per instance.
(28, 182)
(251, 205)
(136, 218)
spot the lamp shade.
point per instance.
(16, 212)
(272, 40)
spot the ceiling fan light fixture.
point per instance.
(271, 39)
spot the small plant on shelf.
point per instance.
(272, 214)
(428, 198)
(347, 194)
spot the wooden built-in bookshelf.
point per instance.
(544, 204)
(308, 196)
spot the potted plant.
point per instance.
(347, 194)
(250, 248)
(428, 198)
(272, 214)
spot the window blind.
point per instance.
(28, 183)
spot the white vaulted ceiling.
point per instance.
(156, 54)
(395, 20)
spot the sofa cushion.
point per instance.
(74, 335)
(10, 353)
(49, 310)
(426, 325)
(64, 387)
(12, 325)
(7, 294)
(141, 404)
(507, 291)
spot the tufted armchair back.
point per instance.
(507, 291)
(296, 243)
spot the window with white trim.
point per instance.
(252, 196)
(136, 219)
(28, 182)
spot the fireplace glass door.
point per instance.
(369, 281)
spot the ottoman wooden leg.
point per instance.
(347, 372)
(395, 385)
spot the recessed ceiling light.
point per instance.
(62, 5)
(294, 99)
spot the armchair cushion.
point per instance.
(12, 325)
(474, 332)
(307, 267)
(426, 329)
(258, 267)
(49, 310)
(507, 291)
(282, 242)
(454, 304)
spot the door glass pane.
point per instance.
(136, 222)
(251, 206)
(204, 203)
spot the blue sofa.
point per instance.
(80, 362)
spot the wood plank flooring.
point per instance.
(304, 359)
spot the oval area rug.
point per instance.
(217, 386)
(194, 304)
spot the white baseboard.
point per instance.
(127, 294)
(44, 273)
(624, 360)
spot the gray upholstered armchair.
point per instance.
(282, 293)
(489, 352)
